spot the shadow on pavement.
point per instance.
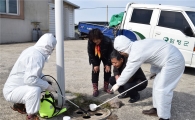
(190, 71)
(183, 107)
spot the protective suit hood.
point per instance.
(46, 44)
(122, 44)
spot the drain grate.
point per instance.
(79, 112)
(96, 115)
(86, 117)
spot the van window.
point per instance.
(191, 16)
(174, 20)
(141, 16)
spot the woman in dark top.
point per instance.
(119, 63)
(99, 49)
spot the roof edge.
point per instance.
(76, 6)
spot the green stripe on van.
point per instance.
(140, 35)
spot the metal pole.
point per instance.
(59, 30)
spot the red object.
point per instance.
(97, 51)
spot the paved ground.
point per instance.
(78, 80)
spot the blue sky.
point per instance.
(100, 14)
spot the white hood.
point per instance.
(46, 44)
(122, 44)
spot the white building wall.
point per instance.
(52, 18)
(66, 21)
(71, 22)
(17, 30)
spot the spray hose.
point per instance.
(56, 91)
(64, 97)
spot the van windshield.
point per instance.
(191, 16)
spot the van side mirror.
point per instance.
(188, 31)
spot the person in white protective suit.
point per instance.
(24, 84)
(167, 63)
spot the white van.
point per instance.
(174, 24)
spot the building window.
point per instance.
(141, 16)
(9, 6)
(12, 9)
(3, 6)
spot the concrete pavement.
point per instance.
(78, 80)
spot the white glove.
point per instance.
(50, 89)
(114, 88)
(151, 76)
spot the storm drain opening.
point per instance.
(98, 114)
(86, 117)
(79, 112)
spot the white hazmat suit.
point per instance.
(24, 84)
(166, 61)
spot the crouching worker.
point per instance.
(119, 63)
(167, 63)
(24, 84)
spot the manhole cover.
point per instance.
(99, 114)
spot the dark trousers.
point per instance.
(95, 76)
(128, 85)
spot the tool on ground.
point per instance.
(93, 107)
(66, 118)
(74, 104)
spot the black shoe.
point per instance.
(124, 95)
(135, 99)
(95, 93)
(152, 112)
(163, 119)
(19, 107)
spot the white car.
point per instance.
(174, 24)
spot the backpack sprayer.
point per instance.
(48, 109)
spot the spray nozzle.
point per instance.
(47, 93)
